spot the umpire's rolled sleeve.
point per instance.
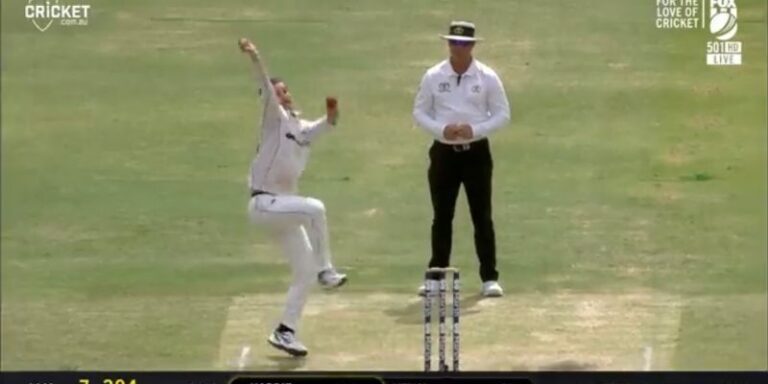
(423, 110)
(498, 109)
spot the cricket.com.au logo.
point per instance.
(44, 13)
(718, 16)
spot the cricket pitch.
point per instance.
(561, 331)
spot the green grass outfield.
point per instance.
(629, 196)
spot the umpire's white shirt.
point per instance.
(476, 98)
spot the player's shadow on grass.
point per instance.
(413, 313)
(280, 363)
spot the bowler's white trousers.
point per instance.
(300, 226)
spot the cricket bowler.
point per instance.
(298, 223)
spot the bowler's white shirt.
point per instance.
(284, 146)
(478, 99)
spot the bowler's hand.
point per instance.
(246, 46)
(331, 109)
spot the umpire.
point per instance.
(460, 102)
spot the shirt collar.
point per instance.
(447, 69)
(290, 112)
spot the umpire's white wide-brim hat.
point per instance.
(461, 31)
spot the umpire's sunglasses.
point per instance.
(460, 43)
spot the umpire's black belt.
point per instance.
(463, 147)
(256, 192)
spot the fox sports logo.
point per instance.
(722, 21)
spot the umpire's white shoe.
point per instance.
(329, 278)
(492, 289)
(286, 341)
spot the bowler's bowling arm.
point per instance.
(271, 105)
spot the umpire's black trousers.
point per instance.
(450, 166)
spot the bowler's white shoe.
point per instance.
(329, 278)
(492, 289)
(286, 341)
